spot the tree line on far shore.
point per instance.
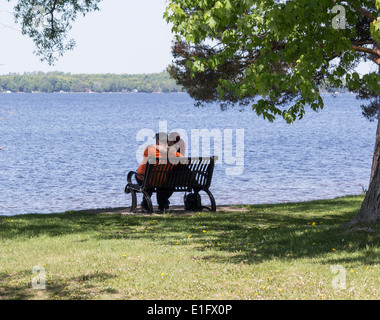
(66, 82)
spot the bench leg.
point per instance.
(134, 201)
(212, 199)
(148, 202)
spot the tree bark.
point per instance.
(370, 209)
(376, 152)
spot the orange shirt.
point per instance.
(156, 151)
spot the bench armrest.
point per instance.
(131, 174)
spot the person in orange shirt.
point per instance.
(175, 143)
(159, 150)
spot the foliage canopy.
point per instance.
(281, 51)
(47, 23)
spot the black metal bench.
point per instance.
(174, 175)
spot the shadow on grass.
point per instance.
(279, 231)
(57, 288)
(12, 291)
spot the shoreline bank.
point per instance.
(180, 210)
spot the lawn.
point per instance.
(278, 251)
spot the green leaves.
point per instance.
(375, 30)
(47, 23)
(277, 51)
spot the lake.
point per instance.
(73, 151)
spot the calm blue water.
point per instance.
(73, 151)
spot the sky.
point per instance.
(125, 36)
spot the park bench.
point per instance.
(175, 175)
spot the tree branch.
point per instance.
(374, 54)
(364, 12)
(53, 7)
(374, 51)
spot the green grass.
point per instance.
(284, 251)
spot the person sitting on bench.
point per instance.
(159, 150)
(175, 143)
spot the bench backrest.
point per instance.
(179, 174)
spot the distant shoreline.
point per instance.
(84, 92)
(142, 92)
(60, 82)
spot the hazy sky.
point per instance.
(125, 36)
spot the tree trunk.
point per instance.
(376, 152)
(370, 209)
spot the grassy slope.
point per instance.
(285, 251)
